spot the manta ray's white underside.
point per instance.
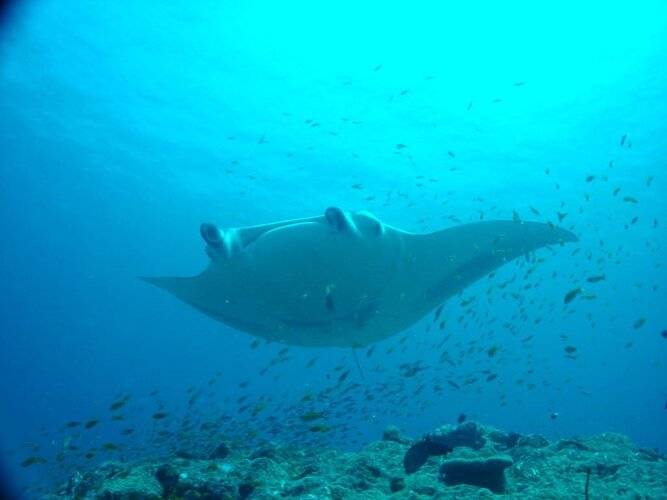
(345, 279)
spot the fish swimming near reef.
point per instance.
(345, 279)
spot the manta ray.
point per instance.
(345, 279)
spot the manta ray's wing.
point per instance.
(203, 293)
(458, 256)
(185, 288)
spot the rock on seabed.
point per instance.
(472, 461)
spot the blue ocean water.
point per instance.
(124, 126)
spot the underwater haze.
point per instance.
(125, 125)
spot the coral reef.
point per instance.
(465, 461)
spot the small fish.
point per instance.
(639, 323)
(519, 84)
(561, 216)
(377, 68)
(34, 460)
(534, 210)
(117, 405)
(127, 432)
(616, 191)
(110, 447)
(461, 418)
(410, 369)
(258, 408)
(663, 334)
(401, 146)
(73, 423)
(451, 154)
(255, 344)
(554, 416)
(590, 178)
(160, 415)
(469, 106)
(492, 351)
(570, 349)
(623, 139)
(596, 278)
(320, 428)
(571, 295)
(630, 199)
(91, 423)
(312, 415)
